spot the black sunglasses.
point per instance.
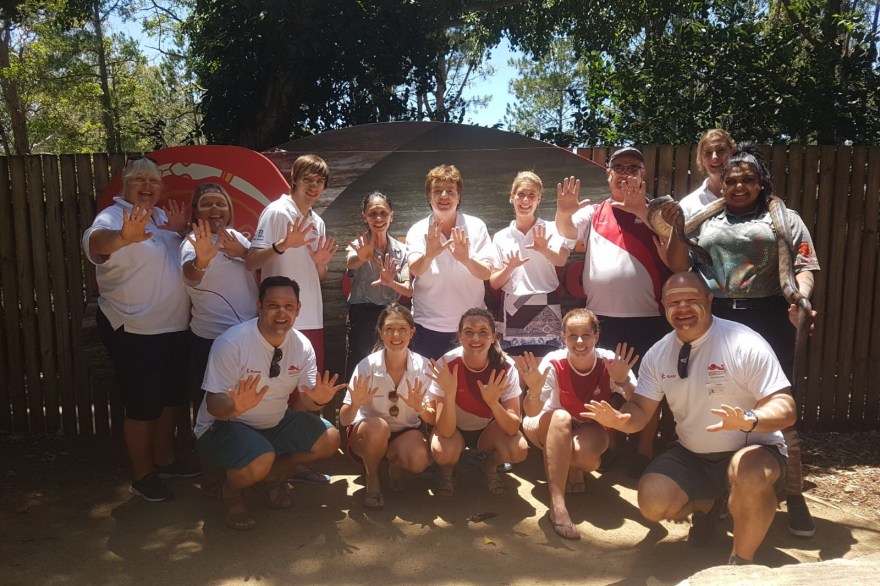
(684, 356)
(274, 367)
(394, 410)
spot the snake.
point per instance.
(661, 212)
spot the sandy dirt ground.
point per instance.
(67, 518)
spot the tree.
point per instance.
(547, 91)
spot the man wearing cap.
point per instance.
(623, 271)
(730, 399)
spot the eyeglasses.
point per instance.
(437, 193)
(274, 367)
(205, 206)
(627, 169)
(394, 410)
(746, 181)
(684, 356)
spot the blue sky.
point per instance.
(497, 86)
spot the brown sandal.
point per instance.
(235, 512)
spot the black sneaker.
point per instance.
(151, 488)
(702, 530)
(178, 469)
(800, 522)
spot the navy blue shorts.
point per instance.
(234, 445)
(152, 370)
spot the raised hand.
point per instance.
(794, 316)
(623, 361)
(540, 240)
(527, 366)
(363, 248)
(324, 252)
(634, 200)
(176, 216)
(461, 245)
(567, 194)
(494, 388)
(298, 234)
(415, 394)
(447, 380)
(203, 243)
(387, 272)
(434, 244)
(361, 391)
(247, 395)
(231, 245)
(732, 419)
(513, 260)
(604, 414)
(324, 390)
(134, 225)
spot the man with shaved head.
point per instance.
(730, 400)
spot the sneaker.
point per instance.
(178, 469)
(151, 488)
(702, 529)
(800, 522)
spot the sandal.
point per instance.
(495, 485)
(275, 494)
(235, 513)
(374, 501)
(445, 489)
(566, 530)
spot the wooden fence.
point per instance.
(53, 372)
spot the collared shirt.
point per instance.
(447, 288)
(140, 284)
(536, 276)
(295, 263)
(373, 367)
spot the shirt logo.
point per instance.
(805, 249)
(293, 369)
(664, 376)
(714, 366)
(249, 371)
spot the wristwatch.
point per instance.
(749, 413)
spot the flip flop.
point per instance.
(566, 531)
(309, 477)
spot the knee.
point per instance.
(373, 430)
(258, 468)
(417, 461)
(446, 450)
(655, 503)
(519, 450)
(327, 444)
(560, 419)
(748, 479)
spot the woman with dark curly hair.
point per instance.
(741, 241)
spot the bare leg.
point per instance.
(324, 447)
(409, 451)
(661, 498)
(139, 437)
(446, 452)
(753, 471)
(370, 443)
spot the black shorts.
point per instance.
(704, 476)
(151, 370)
(349, 431)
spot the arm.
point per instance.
(388, 271)
(317, 397)
(512, 261)
(535, 381)
(541, 244)
(774, 413)
(631, 418)
(233, 403)
(204, 251)
(104, 242)
(434, 247)
(620, 369)
(446, 381)
(567, 204)
(461, 253)
(505, 411)
(297, 235)
(359, 393)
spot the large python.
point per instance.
(662, 210)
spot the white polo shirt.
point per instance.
(447, 289)
(536, 276)
(140, 284)
(227, 294)
(242, 351)
(468, 394)
(295, 263)
(373, 366)
(730, 364)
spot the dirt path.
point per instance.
(67, 518)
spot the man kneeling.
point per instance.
(730, 398)
(243, 424)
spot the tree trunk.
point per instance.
(110, 129)
(12, 98)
